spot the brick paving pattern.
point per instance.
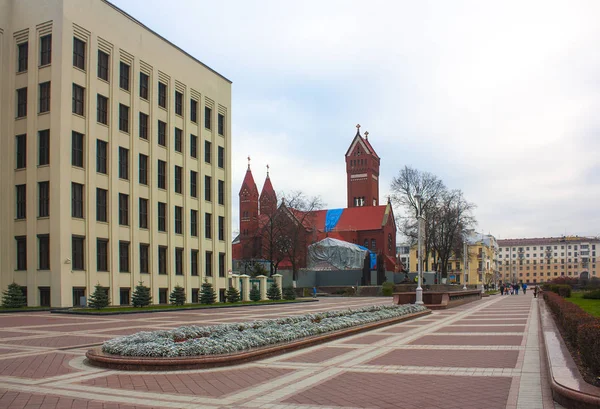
(466, 357)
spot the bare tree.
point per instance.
(271, 239)
(297, 228)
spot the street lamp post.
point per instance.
(419, 293)
(465, 254)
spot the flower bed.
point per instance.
(192, 341)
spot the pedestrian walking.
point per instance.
(501, 289)
(516, 289)
(314, 292)
(524, 288)
(535, 291)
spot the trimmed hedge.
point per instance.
(581, 329)
(592, 295)
(564, 290)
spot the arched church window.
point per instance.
(366, 243)
(389, 242)
(373, 244)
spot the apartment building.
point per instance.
(537, 260)
(115, 150)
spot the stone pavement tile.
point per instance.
(366, 339)
(37, 366)
(399, 329)
(319, 355)
(88, 326)
(58, 341)
(390, 391)
(475, 328)
(468, 340)
(6, 351)
(10, 334)
(212, 384)
(448, 358)
(27, 320)
(24, 400)
(127, 331)
(490, 321)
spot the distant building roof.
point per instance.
(545, 240)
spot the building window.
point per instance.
(221, 157)
(178, 261)
(221, 192)
(162, 133)
(162, 174)
(221, 228)
(178, 220)
(221, 264)
(102, 109)
(22, 102)
(207, 115)
(193, 146)
(103, 65)
(124, 118)
(193, 183)
(43, 199)
(21, 253)
(44, 95)
(162, 295)
(123, 163)
(373, 244)
(162, 216)
(23, 58)
(101, 205)
(194, 263)
(124, 76)
(44, 251)
(78, 99)
(124, 295)
(207, 225)
(208, 263)
(77, 200)
(143, 169)
(143, 213)
(207, 188)
(101, 156)
(194, 222)
(178, 103)
(124, 257)
(207, 149)
(162, 95)
(44, 147)
(143, 126)
(123, 209)
(178, 140)
(221, 124)
(144, 264)
(77, 250)
(77, 149)
(162, 260)
(178, 177)
(102, 255)
(46, 50)
(78, 53)
(21, 142)
(144, 85)
(193, 111)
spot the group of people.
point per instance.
(506, 289)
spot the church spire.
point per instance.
(268, 197)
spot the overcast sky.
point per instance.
(500, 99)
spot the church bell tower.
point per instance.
(362, 171)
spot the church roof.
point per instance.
(365, 142)
(249, 183)
(267, 189)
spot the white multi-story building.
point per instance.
(115, 150)
(538, 260)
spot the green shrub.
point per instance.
(305, 292)
(589, 345)
(592, 295)
(289, 293)
(207, 293)
(273, 292)
(349, 291)
(13, 297)
(177, 296)
(99, 298)
(141, 295)
(255, 294)
(564, 290)
(387, 288)
(232, 295)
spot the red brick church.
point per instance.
(364, 221)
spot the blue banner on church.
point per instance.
(332, 218)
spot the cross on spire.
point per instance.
(358, 126)
(367, 135)
(267, 170)
(248, 162)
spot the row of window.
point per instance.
(102, 257)
(548, 262)
(77, 153)
(549, 254)
(542, 274)
(521, 249)
(103, 72)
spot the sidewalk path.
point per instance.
(484, 354)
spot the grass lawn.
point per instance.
(157, 308)
(591, 306)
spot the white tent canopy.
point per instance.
(338, 253)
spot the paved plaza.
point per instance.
(485, 354)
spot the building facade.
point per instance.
(115, 150)
(538, 260)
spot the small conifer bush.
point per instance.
(273, 292)
(207, 293)
(141, 295)
(289, 293)
(177, 296)
(255, 294)
(13, 297)
(99, 298)
(232, 295)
